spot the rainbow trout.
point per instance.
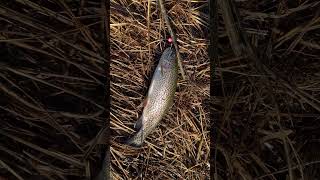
(159, 98)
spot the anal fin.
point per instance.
(138, 124)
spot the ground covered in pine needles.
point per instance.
(266, 85)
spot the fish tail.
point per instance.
(136, 140)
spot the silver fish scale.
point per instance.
(160, 95)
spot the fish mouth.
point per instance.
(173, 50)
(169, 53)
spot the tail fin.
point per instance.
(136, 140)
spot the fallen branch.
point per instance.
(174, 38)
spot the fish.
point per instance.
(159, 98)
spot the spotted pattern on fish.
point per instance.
(160, 96)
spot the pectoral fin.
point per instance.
(144, 103)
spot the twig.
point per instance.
(286, 169)
(4, 165)
(174, 38)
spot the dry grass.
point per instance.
(52, 86)
(266, 90)
(179, 148)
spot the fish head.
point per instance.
(168, 58)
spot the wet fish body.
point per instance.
(159, 98)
